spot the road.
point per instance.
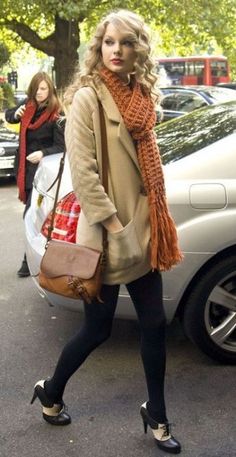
(105, 396)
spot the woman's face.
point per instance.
(42, 92)
(118, 52)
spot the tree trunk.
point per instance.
(62, 44)
(67, 42)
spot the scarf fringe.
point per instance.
(165, 251)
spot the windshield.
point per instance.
(220, 94)
(187, 134)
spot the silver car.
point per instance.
(198, 153)
(179, 100)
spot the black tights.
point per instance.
(146, 294)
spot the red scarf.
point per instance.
(138, 113)
(28, 115)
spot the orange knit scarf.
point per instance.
(137, 110)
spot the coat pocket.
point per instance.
(123, 248)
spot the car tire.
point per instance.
(209, 318)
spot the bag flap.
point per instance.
(68, 259)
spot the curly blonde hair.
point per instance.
(134, 26)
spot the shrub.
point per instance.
(8, 96)
(1, 98)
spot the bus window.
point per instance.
(174, 71)
(218, 68)
(197, 70)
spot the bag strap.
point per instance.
(105, 165)
(104, 179)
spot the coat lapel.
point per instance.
(114, 115)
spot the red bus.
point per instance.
(195, 70)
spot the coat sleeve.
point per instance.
(58, 141)
(10, 113)
(81, 150)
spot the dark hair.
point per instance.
(53, 102)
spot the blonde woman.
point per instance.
(142, 237)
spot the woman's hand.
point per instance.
(112, 224)
(35, 157)
(19, 112)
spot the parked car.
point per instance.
(179, 100)
(230, 85)
(19, 96)
(198, 153)
(8, 147)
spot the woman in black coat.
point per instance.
(41, 133)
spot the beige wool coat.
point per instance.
(128, 249)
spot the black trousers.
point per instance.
(146, 294)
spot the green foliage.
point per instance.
(180, 27)
(4, 54)
(6, 96)
(1, 98)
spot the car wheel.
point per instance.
(210, 312)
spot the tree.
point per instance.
(39, 24)
(53, 26)
(4, 55)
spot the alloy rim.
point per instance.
(220, 313)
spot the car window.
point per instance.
(169, 102)
(187, 134)
(188, 102)
(184, 102)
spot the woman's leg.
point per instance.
(95, 330)
(24, 269)
(146, 294)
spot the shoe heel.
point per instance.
(145, 424)
(33, 398)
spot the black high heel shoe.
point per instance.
(161, 432)
(54, 413)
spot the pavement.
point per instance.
(104, 397)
